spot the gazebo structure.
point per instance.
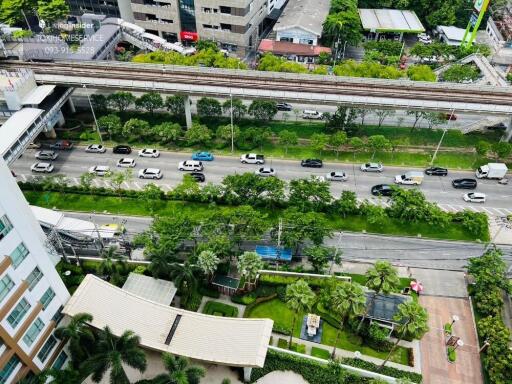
(384, 308)
(226, 284)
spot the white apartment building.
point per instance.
(32, 294)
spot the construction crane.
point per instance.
(479, 9)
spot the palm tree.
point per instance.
(160, 262)
(381, 277)
(178, 371)
(347, 300)
(184, 277)
(64, 376)
(413, 322)
(208, 261)
(299, 298)
(107, 266)
(80, 336)
(111, 353)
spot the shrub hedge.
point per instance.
(320, 353)
(211, 307)
(386, 370)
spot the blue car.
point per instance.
(202, 156)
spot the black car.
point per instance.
(122, 149)
(464, 183)
(436, 171)
(312, 163)
(198, 176)
(284, 107)
(382, 190)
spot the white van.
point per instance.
(190, 165)
(410, 178)
(311, 114)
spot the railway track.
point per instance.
(270, 81)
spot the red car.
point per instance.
(450, 116)
(62, 144)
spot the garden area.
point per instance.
(216, 308)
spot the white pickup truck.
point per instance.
(252, 158)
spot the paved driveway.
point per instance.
(441, 283)
(435, 365)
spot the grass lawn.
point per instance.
(276, 310)
(220, 309)
(282, 343)
(132, 206)
(321, 353)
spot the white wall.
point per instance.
(299, 36)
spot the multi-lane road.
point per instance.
(437, 189)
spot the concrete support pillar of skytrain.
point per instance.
(508, 132)
(188, 112)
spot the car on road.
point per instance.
(309, 114)
(190, 165)
(265, 172)
(126, 162)
(117, 229)
(46, 155)
(95, 148)
(252, 158)
(62, 144)
(449, 116)
(436, 171)
(34, 145)
(150, 173)
(474, 197)
(202, 156)
(122, 149)
(382, 190)
(198, 176)
(464, 183)
(336, 176)
(100, 170)
(42, 167)
(149, 152)
(284, 107)
(372, 167)
(312, 163)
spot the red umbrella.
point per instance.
(416, 286)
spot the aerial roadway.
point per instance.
(73, 163)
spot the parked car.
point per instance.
(265, 172)
(202, 156)
(464, 183)
(424, 38)
(149, 152)
(252, 158)
(372, 167)
(336, 176)
(284, 107)
(95, 148)
(436, 171)
(62, 144)
(198, 176)
(474, 197)
(42, 167)
(312, 163)
(382, 190)
(34, 145)
(150, 173)
(46, 155)
(190, 165)
(122, 149)
(100, 170)
(309, 114)
(126, 162)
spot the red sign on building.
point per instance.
(189, 36)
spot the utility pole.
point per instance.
(442, 137)
(231, 117)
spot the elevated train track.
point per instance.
(314, 89)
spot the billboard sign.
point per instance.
(479, 5)
(189, 36)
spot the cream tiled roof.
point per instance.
(219, 340)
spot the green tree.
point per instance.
(346, 301)
(224, 133)
(111, 123)
(112, 354)
(149, 102)
(263, 109)
(67, 375)
(204, 45)
(318, 141)
(382, 277)
(482, 148)
(121, 100)
(434, 119)
(198, 134)
(421, 73)
(86, 180)
(167, 132)
(319, 257)
(356, 143)
(287, 138)
(257, 137)
(160, 261)
(251, 189)
(375, 214)
(299, 298)
(489, 270)
(208, 107)
(502, 149)
(52, 10)
(179, 371)
(175, 104)
(309, 194)
(151, 194)
(382, 114)
(337, 141)
(239, 108)
(459, 73)
(136, 127)
(346, 204)
(361, 112)
(10, 10)
(80, 336)
(418, 115)
(184, 277)
(110, 256)
(249, 264)
(378, 143)
(412, 320)
(344, 25)
(99, 103)
(208, 261)
(341, 120)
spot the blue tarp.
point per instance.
(274, 253)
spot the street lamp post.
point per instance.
(231, 117)
(441, 139)
(94, 115)
(454, 319)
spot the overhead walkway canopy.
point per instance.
(15, 129)
(219, 340)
